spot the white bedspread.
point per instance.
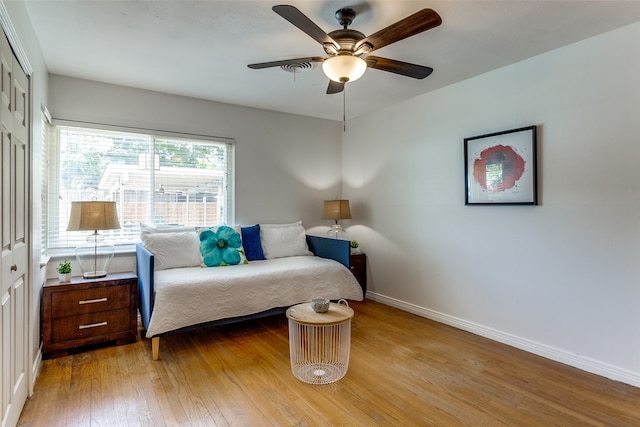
(189, 296)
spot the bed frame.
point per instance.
(338, 250)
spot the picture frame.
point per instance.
(500, 168)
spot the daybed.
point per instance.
(280, 266)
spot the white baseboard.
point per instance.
(558, 355)
(35, 371)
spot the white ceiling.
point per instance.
(201, 48)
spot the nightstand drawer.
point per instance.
(90, 325)
(71, 303)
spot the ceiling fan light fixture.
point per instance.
(344, 68)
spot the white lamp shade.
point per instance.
(93, 216)
(344, 68)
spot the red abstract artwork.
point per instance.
(498, 168)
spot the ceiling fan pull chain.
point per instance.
(344, 109)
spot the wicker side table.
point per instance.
(319, 343)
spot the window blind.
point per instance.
(44, 184)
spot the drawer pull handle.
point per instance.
(14, 267)
(92, 325)
(91, 301)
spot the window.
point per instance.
(155, 179)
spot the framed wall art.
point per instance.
(500, 168)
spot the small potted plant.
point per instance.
(355, 247)
(64, 271)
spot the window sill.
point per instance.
(60, 254)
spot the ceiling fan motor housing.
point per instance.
(345, 16)
(347, 40)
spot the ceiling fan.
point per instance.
(348, 49)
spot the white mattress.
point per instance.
(189, 296)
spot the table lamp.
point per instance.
(336, 210)
(94, 256)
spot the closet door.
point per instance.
(14, 107)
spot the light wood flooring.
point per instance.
(404, 371)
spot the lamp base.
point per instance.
(94, 257)
(94, 274)
(337, 232)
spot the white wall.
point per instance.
(561, 279)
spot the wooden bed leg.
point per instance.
(155, 347)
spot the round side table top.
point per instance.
(303, 313)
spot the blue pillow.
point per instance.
(251, 243)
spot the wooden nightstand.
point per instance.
(88, 311)
(359, 269)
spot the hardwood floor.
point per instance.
(404, 370)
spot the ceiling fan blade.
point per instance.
(285, 62)
(420, 21)
(398, 67)
(305, 24)
(335, 87)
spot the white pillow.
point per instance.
(173, 250)
(283, 240)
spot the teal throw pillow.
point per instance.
(220, 246)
